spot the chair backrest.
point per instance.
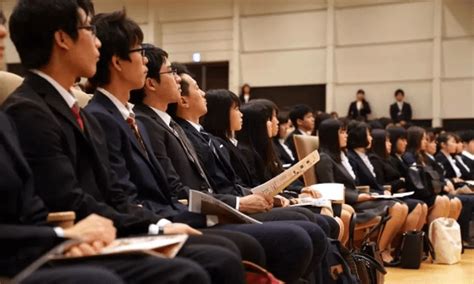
(304, 145)
(8, 83)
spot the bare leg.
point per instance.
(346, 218)
(413, 219)
(398, 215)
(341, 228)
(422, 220)
(439, 209)
(455, 207)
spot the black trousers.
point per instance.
(131, 268)
(74, 275)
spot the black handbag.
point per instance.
(424, 179)
(411, 249)
(368, 259)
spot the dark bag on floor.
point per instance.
(338, 264)
(368, 259)
(411, 249)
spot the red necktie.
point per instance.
(133, 125)
(76, 111)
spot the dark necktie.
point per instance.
(189, 149)
(133, 125)
(76, 111)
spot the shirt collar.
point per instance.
(125, 110)
(234, 141)
(303, 132)
(163, 115)
(195, 125)
(467, 154)
(65, 94)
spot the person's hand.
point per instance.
(386, 192)
(91, 229)
(179, 228)
(364, 197)
(281, 201)
(313, 192)
(84, 249)
(254, 203)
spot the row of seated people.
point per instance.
(110, 159)
(131, 163)
(390, 159)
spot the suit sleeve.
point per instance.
(393, 113)
(325, 174)
(409, 112)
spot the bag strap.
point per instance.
(370, 261)
(379, 228)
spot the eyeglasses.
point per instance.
(91, 28)
(173, 71)
(142, 51)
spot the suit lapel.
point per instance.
(115, 112)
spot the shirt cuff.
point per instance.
(237, 203)
(154, 229)
(59, 232)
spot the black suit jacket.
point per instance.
(218, 166)
(330, 171)
(70, 167)
(398, 115)
(386, 173)
(141, 174)
(291, 144)
(282, 154)
(354, 113)
(364, 176)
(182, 172)
(24, 236)
(469, 163)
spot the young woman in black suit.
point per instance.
(387, 174)
(398, 139)
(439, 206)
(358, 142)
(334, 166)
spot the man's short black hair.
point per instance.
(360, 91)
(299, 112)
(118, 35)
(180, 69)
(156, 58)
(467, 136)
(399, 91)
(34, 22)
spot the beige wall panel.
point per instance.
(255, 7)
(197, 26)
(457, 99)
(285, 31)
(380, 96)
(391, 62)
(284, 68)
(172, 10)
(385, 23)
(199, 46)
(458, 18)
(190, 37)
(458, 58)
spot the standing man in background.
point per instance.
(400, 111)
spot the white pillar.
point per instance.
(437, 54)
(234, 64)
(330, 47)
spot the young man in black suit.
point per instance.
(26, 236)
(303, 120)
(360, 108)
(177, 156)
(65, 147)
(400, 111)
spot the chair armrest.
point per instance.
(363, 188)
(64, 219)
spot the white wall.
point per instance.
(377, 45)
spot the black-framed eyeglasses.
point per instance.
(91, 28)
(173, 71)
(141, 50)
